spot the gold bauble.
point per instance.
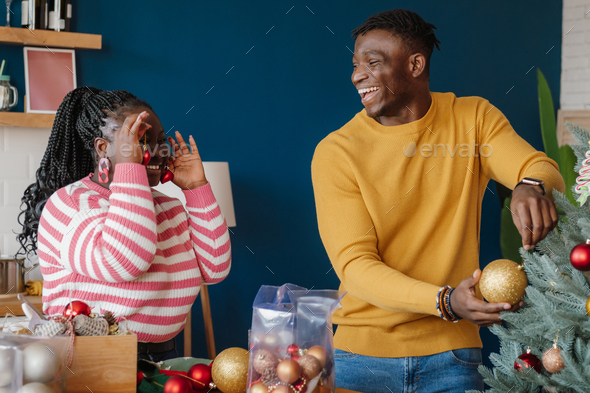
(310, 365)
(289, 370)
(588, 306)
(230, 370)
(503, 281)
(552, 360)
(258, 387)
(319, 353)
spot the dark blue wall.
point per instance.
(267, 113)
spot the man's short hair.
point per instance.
(416, 34)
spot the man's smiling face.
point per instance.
(381, 73)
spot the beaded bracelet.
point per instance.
(443, 304)
(440, 302)
(453, 318)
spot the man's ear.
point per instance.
(417, 64)
(100, 146)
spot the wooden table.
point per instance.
(13, 305)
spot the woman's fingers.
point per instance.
(138, 127)
(183, 146)
(194, 147)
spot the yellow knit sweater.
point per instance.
(399, 211)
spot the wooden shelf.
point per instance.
(14, 305)
(20, 119)
(50, 38)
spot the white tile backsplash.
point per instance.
(575, 55)
(21, 151)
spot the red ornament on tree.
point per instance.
(201, 373)
(178, 384)
(528, 360)
(580, 256)
(76, 308)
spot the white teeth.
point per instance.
(152, 166)
(368, 90)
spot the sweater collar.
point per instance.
(418, 126)
(87, 181)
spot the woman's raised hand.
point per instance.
(186, 164)
(126, 140)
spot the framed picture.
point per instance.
(50, 74)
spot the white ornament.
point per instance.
(35, 387)
(40, 363)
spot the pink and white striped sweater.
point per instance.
(131, 250)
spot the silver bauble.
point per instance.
(35, 387)
(41, 363)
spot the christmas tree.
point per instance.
(545, 345)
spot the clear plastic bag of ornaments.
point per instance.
(30, 364)
(291, 340)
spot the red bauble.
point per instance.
(580, 257)
(178, 385)
(528, 361)
(200, 373)
(146, 157)
(76, 308)
(167, 176)
(293, 349)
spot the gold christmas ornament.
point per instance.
(259, 387)
(230, 370)
(289, 370)
(588, 306)
(503, 281)
(319, 353)
(310, 365)
(552, 360)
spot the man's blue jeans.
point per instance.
(450, 372)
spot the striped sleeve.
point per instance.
(209, 234)
(112, 241)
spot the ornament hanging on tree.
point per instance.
(503, 281)
(583, 181)
(580, 256)
(588, 306)
(552, 360)
(528, 360)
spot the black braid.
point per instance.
(417, 35)
(70, 153)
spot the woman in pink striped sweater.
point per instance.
(120, 245)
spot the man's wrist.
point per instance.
(536, 184)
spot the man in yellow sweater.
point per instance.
(399, 192)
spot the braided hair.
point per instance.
(416, 34)
(85, 114)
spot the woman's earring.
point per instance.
(103, 171)
(167, 175)
(146, 154)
